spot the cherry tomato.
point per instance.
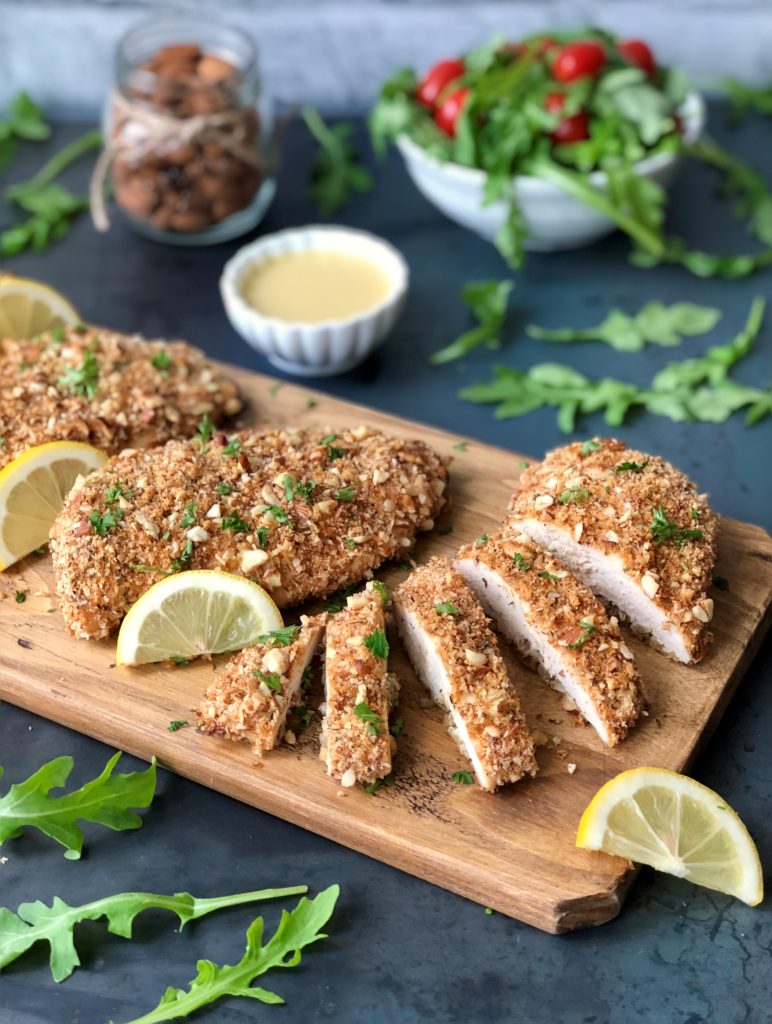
(436, 81)
(554, 102)
(635, 51)
(578, 60)
(448, 113)
(573, 129)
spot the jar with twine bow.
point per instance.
(185, 148)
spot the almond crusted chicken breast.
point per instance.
(559, 625)
(251, 698)
(300, 512)
(456, 656)
(633, 529)
(358, 692)
(109, 390)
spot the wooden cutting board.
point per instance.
(513, 851)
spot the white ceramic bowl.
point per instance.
(554, 220)
(331, 346)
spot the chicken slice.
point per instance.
(634, 530)
(456, 656)
(251, 698)
(557, 623)
(300, 512)
(109, 390)
(359, 691)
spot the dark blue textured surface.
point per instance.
(400, 950)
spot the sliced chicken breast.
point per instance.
(634, 530)
(456, 656)
(359, 691)
(251, 698)
(559, 625)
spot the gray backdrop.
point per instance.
(334, 53)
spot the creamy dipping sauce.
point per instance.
(315, 285)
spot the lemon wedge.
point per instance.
(28, 307)
(32, 491)
(202, 611)
(674, 824)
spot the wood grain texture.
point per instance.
(513, 851)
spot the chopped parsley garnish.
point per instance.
(377, 644)
(224, 489)
(280, 637)
(381, 591)
(57, 335)
(142, 567)
(176, 724)
(587, 630)
(262, 535)
(589, 447)
(303, 713)
(311, 402)
(338, 602)
(721, 582)
(271, 679)
(274, 388)
(663, 530)
(446, 608)
(3, 442)
(345, 494)
(307, 678)
(574, 496)
(333, 452)
(234, 523)
(183, 559)
(277, 512)
(462, 778)
(351, 544)
(396, 727)
(205, 431)
(524, 463)
(696, 513)
(21, 596)
(189, 517)
(547, 576)
(297, 489)
(445, 531)
(177, 660)
(460, 446)
(232, 448)
(161, 361)
(521, 563)
(481, 540)
(41, 550)
(102, 522)
(375, 785)
(364, 712)
(632, 467)
(489, 910)
(84, 379)
(116, 491)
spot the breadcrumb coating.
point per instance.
(300, 512)
(480, 690)
(106, 389)
(251, 698)
(609, 497)
(572, 621)
(359, 691)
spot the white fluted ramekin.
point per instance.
(330, 346)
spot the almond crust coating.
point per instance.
(133, 404)
(480, 688)
(354, 749)
(245, 508)
(556, 604)
(612, 511)
(239, 706)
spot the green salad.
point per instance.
(557, 106)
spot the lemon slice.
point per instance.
(32, 491)
(28, 307)
(674, 824)
(203, 611)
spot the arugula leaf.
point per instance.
(487, 301)
(693, 389)
(280, 637)
(746, 97)
(754, 200)
(446, 608)
(462, 778)
(372, 719)
(105, 800)
(24, 120)
(297, 929)
(338, 601)
(36, 922)
(654, 323)
(336, 173)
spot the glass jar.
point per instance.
(187, 145)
